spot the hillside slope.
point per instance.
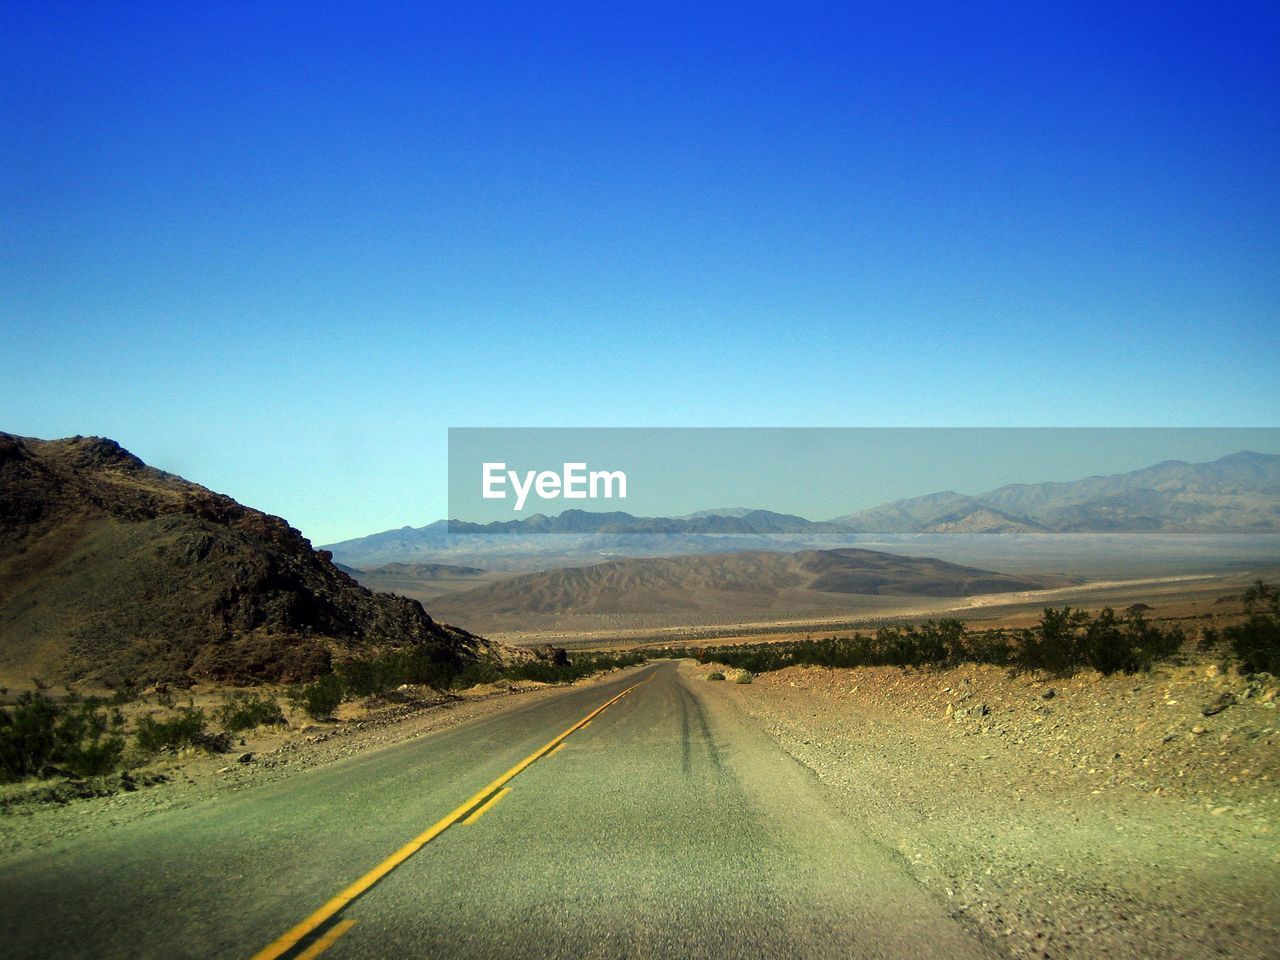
(114, 572)
(738, 584)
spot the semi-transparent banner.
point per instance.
(833, 480)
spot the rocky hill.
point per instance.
(114, 572)
(740, 585)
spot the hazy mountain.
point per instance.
(909, 516)
(580, 537)
(615, 522)
(116, 572)
(1237, 493)
(980, 520)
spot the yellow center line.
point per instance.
(559, 747)
(291, 937)
(326, 941)
(484, 807)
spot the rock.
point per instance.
(1199, 730)
(1218, 704)
(1213, 671)
(1269, 695)
(245, 758)
(1049, 694)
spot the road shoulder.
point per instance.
(1016, 816)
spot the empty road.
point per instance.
(666, 826)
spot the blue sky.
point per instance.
(281, 248)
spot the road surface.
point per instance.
(667, 826)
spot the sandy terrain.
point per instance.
(1184, 596)
(1107, 818)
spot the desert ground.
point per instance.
(1178, 597)
(1008, 816)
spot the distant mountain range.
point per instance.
(1239, 493)
(582, 521)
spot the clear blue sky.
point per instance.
(280, 248)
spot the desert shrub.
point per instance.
(376, 676)
(1062, 642)
(991, 646)
(185, 728)
(1112, 645)
(441, 670)
(248, 711)
(89, 740)
(715, 675)
(38, 736)
(1066, 640)
(916, 645)
(124, 693)
(1209, 640)
(369, 678)
(541, 671)
(744, 676)
(1256, 642)
(482, 671)
(320, 698)
(544, 671)
(1057, 644)
(27, 736)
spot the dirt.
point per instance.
(1190, 597)
(1080, 817)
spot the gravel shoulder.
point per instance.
(1086, 817)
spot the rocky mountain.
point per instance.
(114, 572)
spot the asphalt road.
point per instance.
(668, 826)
